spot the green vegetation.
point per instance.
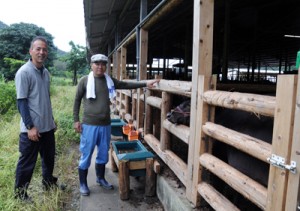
(15, 42)
(7, 99)
(67, 153)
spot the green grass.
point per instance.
(66, 160)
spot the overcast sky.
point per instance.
(63, 19)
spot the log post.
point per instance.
(165, 108)
(124, 182)
(150, 178)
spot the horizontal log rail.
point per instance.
(215, 199)
(250, 145)
(154, 101)
(246, 186)
(177, 165)
(258, 104)
(181, 131)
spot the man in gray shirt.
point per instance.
(37, 125)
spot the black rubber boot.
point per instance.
(100, 171)
(84, 189)
(52, 183)
(21, 194)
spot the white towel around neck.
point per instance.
(90, 87)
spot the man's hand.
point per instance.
(77, 127)
(150, 83)
(33, 134)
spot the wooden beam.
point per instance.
(172, 160)
(148, 127)
(250, 145)
(249, 188)
(215, 199)
(142, 75)
(154, 101)
(293, 189)
(258, 104)
(150, 186)
(181, 131)
(203, 23)
(124, 182)
(282, 140)
(165, 139)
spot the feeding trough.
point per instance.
(131, 151)
(132, 159)
(116, 127)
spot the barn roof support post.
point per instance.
(202, 65)
(142, 74)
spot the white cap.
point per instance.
(99, 58)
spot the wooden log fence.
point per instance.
(258, 104)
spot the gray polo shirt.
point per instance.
(34, 84)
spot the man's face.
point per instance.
(38, 53)
(99, 68)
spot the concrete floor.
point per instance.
(168, 197)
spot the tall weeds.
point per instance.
(66, 160)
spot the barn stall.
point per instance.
(217, 54)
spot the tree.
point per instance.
(76, 60)
(2, 25)
(15, 43)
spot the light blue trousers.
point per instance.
(92, 136)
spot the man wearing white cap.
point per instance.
(96, 90)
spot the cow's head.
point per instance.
(181, 114)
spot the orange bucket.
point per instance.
(133, 135)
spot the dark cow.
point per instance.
(258, 127)
(181, 114)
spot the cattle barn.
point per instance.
(219, 54)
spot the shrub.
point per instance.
(7, 99)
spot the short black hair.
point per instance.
(38, 38)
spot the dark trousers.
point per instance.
(29, 152)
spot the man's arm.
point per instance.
(24, 111)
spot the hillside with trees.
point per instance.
(3, 25)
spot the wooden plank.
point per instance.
(250, 145)
(181, 131)
(203, 16)
(135, 165)
(258, 104)
(165, 139)
(177, 165)
(293, 189)
(215, 199)
(282, 140)
(150, 187)
(248, 187)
